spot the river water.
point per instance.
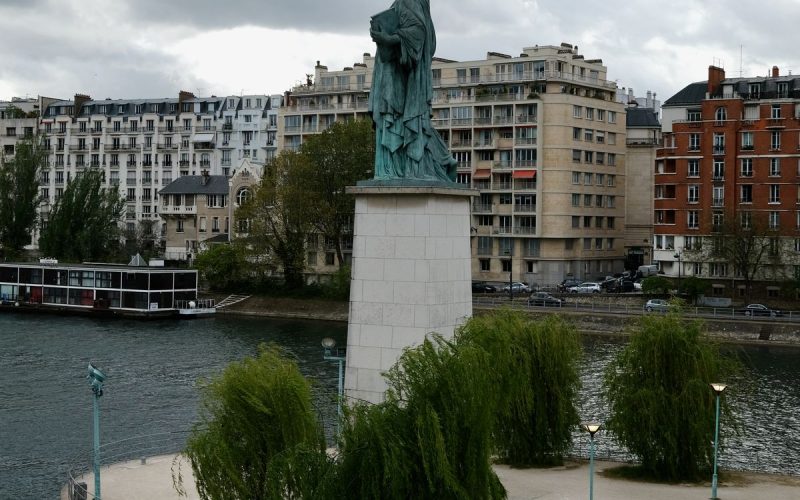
(153, 370)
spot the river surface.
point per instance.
(153, 370)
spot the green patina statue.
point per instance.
(407, 147)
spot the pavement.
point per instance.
(153, 480)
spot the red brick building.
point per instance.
(730, 161)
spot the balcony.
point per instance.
(525, 230)
(166, 130)
(178, 209)
(525, 185)
(484, 144)
(502, 230)
(441, 122)
(205, 163)
(503, 120)
(462, 122)
(502, 165)
(501, 186)
(483, 208)
(182, 163)
(227, 126)
(167, 147)
(114, 164)
(525, 141)
(527, 119)
(525, 208)
(717, 202)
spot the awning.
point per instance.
(524, 174)
(482, 173)
(203, 138)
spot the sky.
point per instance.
(153, 48)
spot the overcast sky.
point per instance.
(153, 48)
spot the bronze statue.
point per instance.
(407, 146)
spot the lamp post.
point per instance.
(328, 344)
(96, 379)
(592, 429)
(510, 275)
(717, 388)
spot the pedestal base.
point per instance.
(411, 276)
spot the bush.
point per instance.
(224, 267)
(656, 285)
(661, 406)
(338, 288)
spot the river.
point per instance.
(153, 370)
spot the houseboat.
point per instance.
(96, 288)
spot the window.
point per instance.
(588, 156)
(576, 200)
(692, 221)
(485, 220)
(717, 196)
(587, 243)
(588, 135)
(774, 219)
(179, 227)
(612, 159)
(576, 133)
(719, 143)
(612, 138)
(774, 167)
(721, 114)
(693, 115)
(609, 243)
(601, 115)
(746, 193)
(202, 228)
(693, 193)
(576, 177)
(747, 167)
(746, 220)
(612, 117)
(601, 179)
(588, 179)
(598, 201)
(576, 155)
(587, 221)
(775, 140)
(598, 222)
(610, 222)
(590, 113)
(598, 243)
(694, 142)
(577, 111)
(719, 169)
(576, 222)
(587, 200)
(775, 111)
(747, 140)
(611, 201)
(693, 168)
(774, 193)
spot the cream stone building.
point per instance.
(540, 135)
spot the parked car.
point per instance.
(637, 286)
(517, 287)
(609, 284)
(586, 287)
(760, 310)
(567, 284)
(658, 305)
(482, 287)
(544, 299)
(621, 285)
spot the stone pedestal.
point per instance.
(411, 276)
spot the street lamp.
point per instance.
(96, 379)
(328, 344)
(510, 274)
(591, 428)
(717, 388)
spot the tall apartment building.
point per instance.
(19, 118)
(643, 139)
(731, 155)
(541, 136)
(142, 145)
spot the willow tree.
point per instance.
(84, 223)
(258, 436)
(19, 194)
(279, 216)
(534, 366)
(431, 437)
(661, 406)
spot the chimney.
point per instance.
(205, 178)
(715, 77)
(79, 101)
(775, 72)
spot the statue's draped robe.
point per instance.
(407, 145)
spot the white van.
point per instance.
(648, 270)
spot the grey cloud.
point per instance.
(342, 16)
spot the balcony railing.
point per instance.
(524, 229)
(502, 230)
(525, 208)
(483, 207)
(527, 119)
(717, 202)
(178, 209)
(525, 185)
(719, 150)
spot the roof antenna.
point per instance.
(741, 71)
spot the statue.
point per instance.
(407, 146)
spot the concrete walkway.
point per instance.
(153, 480)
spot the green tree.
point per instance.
(279, 216)
(431, 437)
(257, 437)
(661, 406)
(19, 195)
(223, 266)
(656, 285)
(693, 287)
(339, 157)
(84, 223)
(535, 369)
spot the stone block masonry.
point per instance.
(411, 277)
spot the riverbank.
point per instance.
(135, 480)
(735, 330)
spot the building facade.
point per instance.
(19, 119)
(730, 162)
(142, 145)
(540, 135)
